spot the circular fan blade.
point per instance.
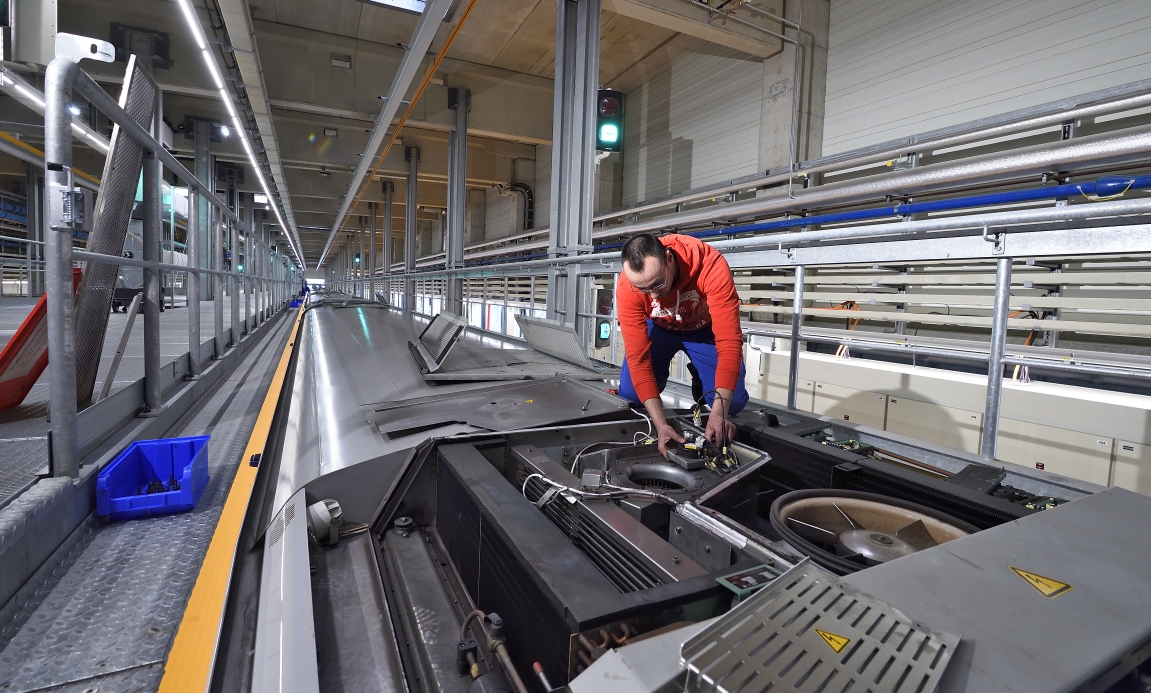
(917, 535)
(812, 532)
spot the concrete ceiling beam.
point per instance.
(690, 19)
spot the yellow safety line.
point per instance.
(190, 663)
(29, 148)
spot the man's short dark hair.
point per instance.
(640, 247)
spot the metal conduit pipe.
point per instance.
(1125, 146)
(974, 222)
(919, 142)
(973, 356)
(1094, 210)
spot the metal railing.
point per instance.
(267, 282)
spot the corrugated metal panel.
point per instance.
(900, 67)
(694, 124)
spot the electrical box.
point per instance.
(955, 428)
(857, 406)
(773, 388)
(1132, 468)
(1057, 450)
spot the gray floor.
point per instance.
(104, 610)
(24, 429)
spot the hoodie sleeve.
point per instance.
(631, 310)
(716, 283)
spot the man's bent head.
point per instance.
(647, 265)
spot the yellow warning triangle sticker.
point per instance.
(1044, 585)
(835, 642)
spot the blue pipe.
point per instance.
(1104, 186)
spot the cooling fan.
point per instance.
(846, 531)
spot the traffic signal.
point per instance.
(609, 121)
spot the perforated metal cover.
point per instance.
(109, 228)
(807, 631)
(554, 339)
(441, 334)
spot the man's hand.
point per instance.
(664, 435)
(719, 430)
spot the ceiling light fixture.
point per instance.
(214, 70)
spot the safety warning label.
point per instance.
(835, 642)
(1044, 585)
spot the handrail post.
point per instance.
(796, 324)
(153, 206)
(64, 458)
(192, 249)
(990, 442)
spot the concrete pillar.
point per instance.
(411, 223)
(775, 120)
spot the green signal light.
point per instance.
(608, 133)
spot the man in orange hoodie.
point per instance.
(676, 293)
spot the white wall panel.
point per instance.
(901, 67)
(694, 124)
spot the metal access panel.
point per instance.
(807, 631)
(431, 349)
(503, 407)
(554, 339)
(1055, 601)
(110, 228)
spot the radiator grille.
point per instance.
(497, 579)
(614, 561)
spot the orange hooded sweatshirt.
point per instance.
(703, 294)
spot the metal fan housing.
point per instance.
(846, 531)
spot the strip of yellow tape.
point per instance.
(193, 654)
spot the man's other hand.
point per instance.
(719, 430)
(664, 435)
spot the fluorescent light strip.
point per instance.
(242, 133)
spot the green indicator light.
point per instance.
(608, 133)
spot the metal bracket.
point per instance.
(996, 238)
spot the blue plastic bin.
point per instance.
(121, 489)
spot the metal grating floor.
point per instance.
(807, 631)
(101, 614)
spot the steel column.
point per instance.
(58, 235)
(373, 209)
(233, 290)
(389, 194)
(192, 248)
(990, 442)
(217, 284)
(153, 230)
(411, 222)
(33, 233)
(796, 324)
(459, 99)
(204, 173)
(573, 150)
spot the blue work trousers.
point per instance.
(700, 349)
